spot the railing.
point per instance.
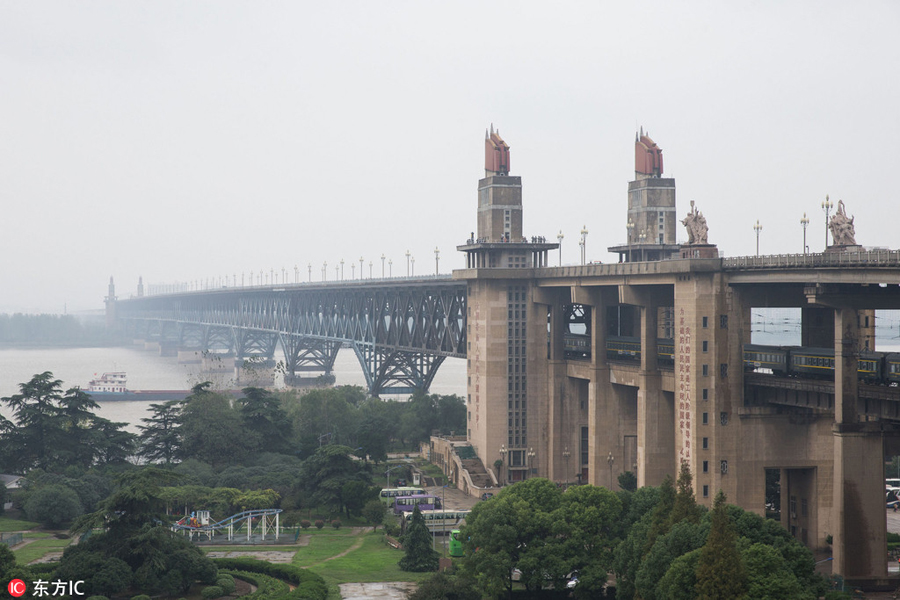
(868, 258)
(11, 539)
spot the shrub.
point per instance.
(212, 591)
(53, 506)
(141, 597)
(226, 582)
(320, 523)
(305, 524)
(336, 524)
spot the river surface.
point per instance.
(148, 371)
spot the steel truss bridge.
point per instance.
(401, 331)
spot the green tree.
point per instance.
(769, 576)
(53, 506)
(680, 580)
(211, 429)
(517, 529)
(418, 555)
(265, 422)
(160, 438)
(325, 473)
(591, 516)
(374, 512)
(627, 481)
(444, 586)
(685, 506)
(684, 537)
(720, 572)
(37, 434)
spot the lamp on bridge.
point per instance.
(370, 269)
(827, 205)
(610, 459)
(413, 259)
(390, 267)
(757, 228)
(566, 455)
(309, 266)
(437, 259)
(503, 452)
(283, 276)
(407, 263)
(325, 271)
(530, 454)
(352, 270)
(360, 267)
(804, 222)
(630, 228)
(641, 239)
(584, 233)
(382, 265)
(559, 238)
(342, 269)
(296, 275)
(337, 272)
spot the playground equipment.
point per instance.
(263, 521)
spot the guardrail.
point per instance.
(866, 258)
(11, 539)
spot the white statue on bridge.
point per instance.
(842, 230)
(695, 223)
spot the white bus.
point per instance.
(387, 495)
(438, 521)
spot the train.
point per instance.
(795, 361)
(619, 347)
(798, 361)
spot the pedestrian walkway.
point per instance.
(272, 556)
(397, 590)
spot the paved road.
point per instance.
(453, 498)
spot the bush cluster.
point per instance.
(310, 586)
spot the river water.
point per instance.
(148, 371)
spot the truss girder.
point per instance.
(399, 331)
(390, 371)
(219, 338)
(308, 354)
(193, 337)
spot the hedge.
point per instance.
(266, 587)
(310, 586)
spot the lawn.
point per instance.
(7, 525)
(372, 561)
(38, 548)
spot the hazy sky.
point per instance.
(192, 140)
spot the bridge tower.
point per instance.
(110, 301)
(651, 220)
(503, 333)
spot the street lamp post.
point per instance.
(630, 228)
(283, 278)
(390, 267)
(584, 233)
(559, 238)
(757, 228)
(804, 222)
(407, 263)
(382, 265)
(361, 267)
(437, 259)
(827, 205)
(530, 454)
(503, 452)
(610, 460)
(413, 259)
(342, 269)
(325, 271)
(370, 269)
(337, 272)
(309, 266)
(642, 238)
(581, 250)
(566, 455)
(353, 270)
(296, 275)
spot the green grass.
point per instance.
(321, 548)
(373, 561)
(38, 548)
(7, 525)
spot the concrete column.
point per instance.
(655, 434)
(605, 435)
(860, 545)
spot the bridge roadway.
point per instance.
(400, 330)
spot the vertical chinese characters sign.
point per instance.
(685, 395)
(478, 327)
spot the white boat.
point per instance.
(108, 382)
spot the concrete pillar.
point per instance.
(656, 416)
(605, 435)
(860, 545)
